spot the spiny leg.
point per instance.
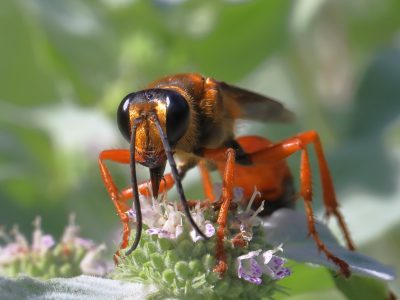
(120, 156)
(284, 149)
(306, 193)
(329, 195)
(287, 147)
(119, 198)
(227, 195)
(207, 184)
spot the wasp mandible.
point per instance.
(192, 117)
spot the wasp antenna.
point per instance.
(135, 189)
(174, 171)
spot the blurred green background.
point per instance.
(66, 65)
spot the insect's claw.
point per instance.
(344, 267)
(327, 215)
(221, 268)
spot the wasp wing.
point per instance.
(245, 104)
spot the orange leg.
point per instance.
(207, 184)
(306, 192)
(227, 195)
(282, 150)
(287, 147)
(120, 156)
(165, 185)
(119, 198)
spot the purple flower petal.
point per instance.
(255, 280)
(282, 273)
(255, 268)
(153, 231)
(252, 265)
(277, 261)
(166, 234)
(251, 274)
(131, 214)
(162, 233)
(210, 230)
(47, 241)
(85, 243)
(238, 193)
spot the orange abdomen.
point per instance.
(273, 180)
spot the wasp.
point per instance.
(192, 118)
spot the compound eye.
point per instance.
(178, 116)
(123, 117)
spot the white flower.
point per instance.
(162, 218)
(85, 243)
(273, 264)
(41, 243)
(152, 212)
(172, 226)
(203, 224)
(92, 265)
(71, 231)
(165, 220)
(252, 265)
(9, 253)
(15, 248)
(71, 236)
(248, 267)
(247, 219)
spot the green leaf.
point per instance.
(305, 279)
(361, 288)
(244, 36)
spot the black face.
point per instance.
(178, 112)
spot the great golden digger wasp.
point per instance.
(193, 117)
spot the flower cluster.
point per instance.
(178, 267)
(252, 265)
(45, 258)
(165, 220)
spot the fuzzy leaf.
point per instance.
(81, 287)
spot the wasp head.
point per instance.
(145, 108)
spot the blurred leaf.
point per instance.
(386, 245)
(55, 28)
(362, 288)
(305, 280)
(376, 103)
(371, 23)
(82, 287)
(244, 36)
(21, 78)
(330, 294)
(376, 106)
